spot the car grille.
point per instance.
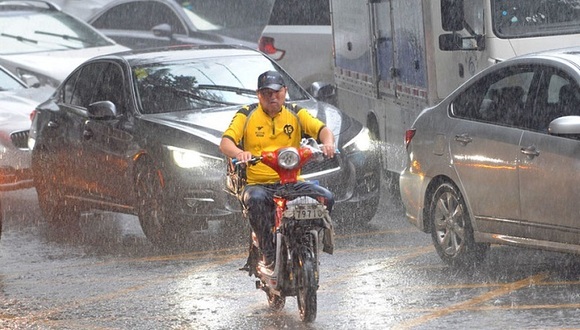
(20, 139)
(325, 165)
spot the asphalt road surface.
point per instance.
(385, 275)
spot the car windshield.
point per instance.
(45, 31)
(524, 18)
(203, 84)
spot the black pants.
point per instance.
(259, 201)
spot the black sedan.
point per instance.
(138, 132)
(140, 24)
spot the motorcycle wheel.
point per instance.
(307, 286)
(275, 301)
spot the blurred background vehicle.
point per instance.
(43, 44)
(497, 160)
(140, 24)
(299, 37)
(17, 101)
(139, 134)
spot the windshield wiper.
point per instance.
(19, 38)
(237, 90)
(63, 36)
(200, 98)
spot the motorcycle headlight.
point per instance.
(361, 142)
(186, 158)
(288, 158)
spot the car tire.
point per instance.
(451, 228)
(56, 210)
(151, 209)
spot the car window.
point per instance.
(312, 12)
(110, 87)
(558, 95)
(500, 98)
(139, 16)
(8, 83)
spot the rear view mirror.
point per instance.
(454, 41)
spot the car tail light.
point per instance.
(266, 46)
(32, 115)
(409, 134)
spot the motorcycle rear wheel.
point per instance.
(307, 287)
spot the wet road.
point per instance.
(383, 276)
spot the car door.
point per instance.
(549, 166)
(485, 143)
(66, 125)
(108, 142)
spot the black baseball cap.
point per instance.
(270, 79)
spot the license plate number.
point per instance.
(308, 212)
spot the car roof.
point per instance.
(568, 54)
(28, 5)
(178, 53)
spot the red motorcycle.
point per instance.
(302, 228)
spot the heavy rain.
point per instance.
(399, 261)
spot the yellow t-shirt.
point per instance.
(257, 131)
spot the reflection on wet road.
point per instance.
(385, 275)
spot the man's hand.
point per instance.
(328, 150)
(244, 156)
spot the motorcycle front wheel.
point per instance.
(307, 287)
(275, 301)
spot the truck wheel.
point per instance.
(451, 229)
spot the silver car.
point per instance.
(41, 43)
(17, 101)
(498, 160)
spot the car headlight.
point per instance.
(288, 158)
(186, 158)
(361, 142)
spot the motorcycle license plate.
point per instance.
(306, 212)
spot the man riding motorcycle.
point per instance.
(268, 125)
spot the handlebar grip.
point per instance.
(252, 161)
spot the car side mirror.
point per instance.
(102, 110)
(31, 80)
(565, 126)
(323, 91)
(163, 30)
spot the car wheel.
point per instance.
(451, 228)
(57, 211)
(153, 216)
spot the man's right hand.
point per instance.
(244, 156)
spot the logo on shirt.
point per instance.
(288, 129)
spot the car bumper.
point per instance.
(412, 188)
(15, 172)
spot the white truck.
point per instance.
(394, 58)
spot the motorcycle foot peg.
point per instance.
(258, 284)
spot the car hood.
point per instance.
(211, 124)
(57, 64)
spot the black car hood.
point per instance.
(210, 124)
